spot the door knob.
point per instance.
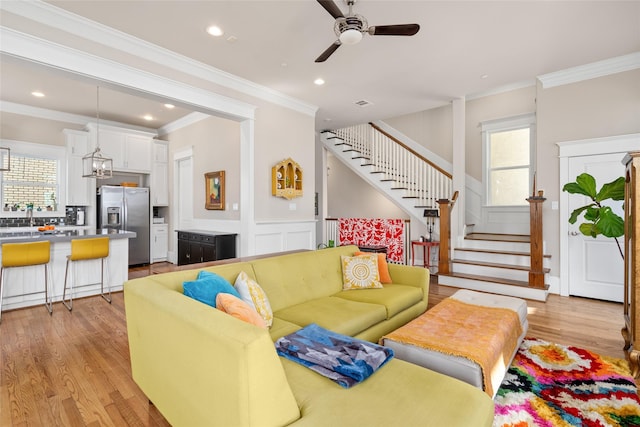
(574, 233)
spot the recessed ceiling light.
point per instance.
(215, 31)
(148, 117)
(484, 76)
(319, 81)
(37, 94)
(169, 106)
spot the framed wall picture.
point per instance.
(214, 190)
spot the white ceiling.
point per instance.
(507, 42)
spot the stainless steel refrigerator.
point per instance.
(127, 208)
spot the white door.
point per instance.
(184, 194)
(596, 269)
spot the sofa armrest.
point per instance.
(411, 276)
(227, 370)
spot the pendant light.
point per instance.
(95, 165)
(5, 159)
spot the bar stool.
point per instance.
(26, 255)
(83, 250)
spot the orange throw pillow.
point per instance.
(239, 309)
(383, 268)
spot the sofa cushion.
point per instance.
(399, 394)
(251, 293)
(295, 278)
(360, 272)
(336, 314)
(206, 288)
(281, 327)
(395, 298)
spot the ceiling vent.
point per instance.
(363, 103)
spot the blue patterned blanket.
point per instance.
(344, 359)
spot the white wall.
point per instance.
(598, 107)
(215, 143)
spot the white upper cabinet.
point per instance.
(79, 189)
(137, 153)
(129, 149)
(160, 174)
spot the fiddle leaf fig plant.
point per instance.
(599, 218)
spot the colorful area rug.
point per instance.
(554, 385)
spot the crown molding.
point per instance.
(52, 16)
(182, 122)
(28, 47)
(501, 89)
(590, 71)
(58, 116)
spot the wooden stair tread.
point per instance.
(500, 280)
(488, 251)
(495, 265)
(517, 238)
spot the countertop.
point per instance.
(208, 233)
(61, 235)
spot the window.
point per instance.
(34, 178)
(508, 160)
(30, 180)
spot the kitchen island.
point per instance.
(25, 286)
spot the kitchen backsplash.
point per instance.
(38, 221)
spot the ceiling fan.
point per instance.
(352, 27)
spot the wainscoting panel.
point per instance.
(284, 236)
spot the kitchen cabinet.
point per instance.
(79, 190)
(130, 150)
(159, 242)
(201, 246)
(160, 174)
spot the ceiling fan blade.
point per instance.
(394, 30)
(331, 7)
(327, 53)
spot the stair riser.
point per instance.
(497, 246)
(521, 260)
(481, 270)
(497, 288)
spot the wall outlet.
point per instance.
(234, 207)
(554, 205)
(292, 206)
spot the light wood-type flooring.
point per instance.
(72, 369)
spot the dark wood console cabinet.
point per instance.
(200, 246)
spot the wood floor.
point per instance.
(72, 369)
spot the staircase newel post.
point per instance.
(444, 263)
(536, 270)
(444, 256)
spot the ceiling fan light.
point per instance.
(351, 36)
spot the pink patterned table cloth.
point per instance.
(374, 232)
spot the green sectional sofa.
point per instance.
(201, 366)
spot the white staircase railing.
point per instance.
(410, 171)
